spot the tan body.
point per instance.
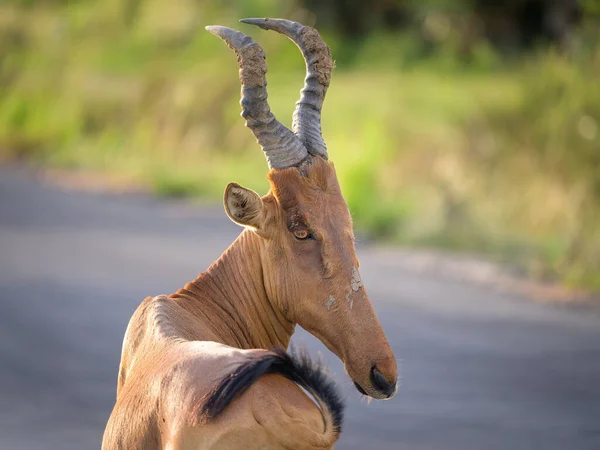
(294, 263)
(165, 376)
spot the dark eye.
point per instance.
(302, 234)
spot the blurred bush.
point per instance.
(456, 124)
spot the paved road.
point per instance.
(481, 370)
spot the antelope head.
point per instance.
(306, 243)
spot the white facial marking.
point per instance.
(356, 283)
(349, 299)
(329, 302)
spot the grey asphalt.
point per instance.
(481, 369)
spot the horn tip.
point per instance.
(214, 29)
(256, 21)
(284, 26)
(234, 38)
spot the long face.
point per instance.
(307, 245)
(311, 269)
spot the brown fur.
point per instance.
(177, 347)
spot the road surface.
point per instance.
(481, 369)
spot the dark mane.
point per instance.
(295, 366)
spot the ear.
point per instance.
(244, 206)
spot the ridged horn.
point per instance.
(281, 146)
(307, 116)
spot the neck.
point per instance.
(230, 300)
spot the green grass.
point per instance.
(493, 158)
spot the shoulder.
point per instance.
(138, 333)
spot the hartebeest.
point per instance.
(188, 355)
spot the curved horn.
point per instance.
(307, 116)
(282, 147)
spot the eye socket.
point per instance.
(302, 234)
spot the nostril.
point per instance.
(380, 383)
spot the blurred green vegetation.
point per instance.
(440, 137)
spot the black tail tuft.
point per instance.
(295, 366)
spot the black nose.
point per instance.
(380, 383)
